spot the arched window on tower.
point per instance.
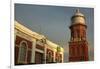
(83, 51)
(72, 35)
(22, 52)
(78, 34)
(78, 50)
(72, 51)
(84, 34)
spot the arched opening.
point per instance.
(22, 52)
(49, 57)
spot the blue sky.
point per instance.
(54, 21)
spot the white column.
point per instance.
(62, 57)
(33, 51)
(45, 50)
(54, 56)
(15, 33)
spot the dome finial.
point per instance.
(77, 10)
(78, 13)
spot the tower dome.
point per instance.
(78, 18)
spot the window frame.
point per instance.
(19, 61)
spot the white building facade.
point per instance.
(33, 48)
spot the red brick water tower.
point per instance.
(78, 45)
